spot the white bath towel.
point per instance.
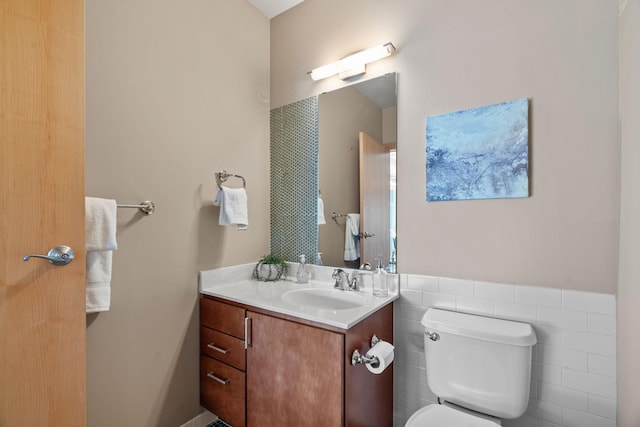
(352, 237)
(233, 207)
(321, 219)
(100, 235)
(98, 297)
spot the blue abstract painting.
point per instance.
(480, 153)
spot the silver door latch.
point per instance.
(60, 255)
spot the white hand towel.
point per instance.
(321, 219)
(352, 237)
(233, 207)
(98, 297)
(100, 224)
(100, 231)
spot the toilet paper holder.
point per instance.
(363, 359)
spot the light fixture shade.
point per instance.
(357, 61)
(358, 70)
(367, 56)
(325, 71)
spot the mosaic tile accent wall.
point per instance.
(294, 179)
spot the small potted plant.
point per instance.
(270, 268)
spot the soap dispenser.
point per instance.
(302, 275)
(380, 285)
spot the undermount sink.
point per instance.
(324, 299)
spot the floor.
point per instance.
(219, 423)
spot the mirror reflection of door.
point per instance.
(366, 107)
(323, 133)
(374, 200)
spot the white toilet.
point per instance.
(478, 367)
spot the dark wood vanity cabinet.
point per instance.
(293, 372)
(223, 360)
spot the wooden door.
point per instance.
(375, 202)
(294, 374)
(42, 306)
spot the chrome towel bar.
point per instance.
(147, 207)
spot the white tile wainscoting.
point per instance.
(574, 363)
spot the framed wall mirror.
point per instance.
(333, 176)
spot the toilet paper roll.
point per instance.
(384, 352)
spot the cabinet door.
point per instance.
(222, 317)
(223, 347)
(222, 390)
(294, 374)
(369, 397)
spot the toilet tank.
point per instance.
(480, 363)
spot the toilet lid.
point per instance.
(446, 416)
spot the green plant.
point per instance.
(270, 268)
(273, 259)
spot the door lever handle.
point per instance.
(60, 255)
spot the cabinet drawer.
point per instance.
(222, 317)
(222, 347)
(222, 390)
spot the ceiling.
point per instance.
(271, 8)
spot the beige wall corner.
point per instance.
(629, 281)
(175, 92)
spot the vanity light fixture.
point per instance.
(353, 65)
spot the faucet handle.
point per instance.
(338, 274)
(355, 284)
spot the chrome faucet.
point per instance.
(342, 279)
(344, 283)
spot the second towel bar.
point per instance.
(147, 207)
(223, 175)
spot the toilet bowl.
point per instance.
(479, 367)
(447, 415)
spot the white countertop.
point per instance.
(235, 284)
